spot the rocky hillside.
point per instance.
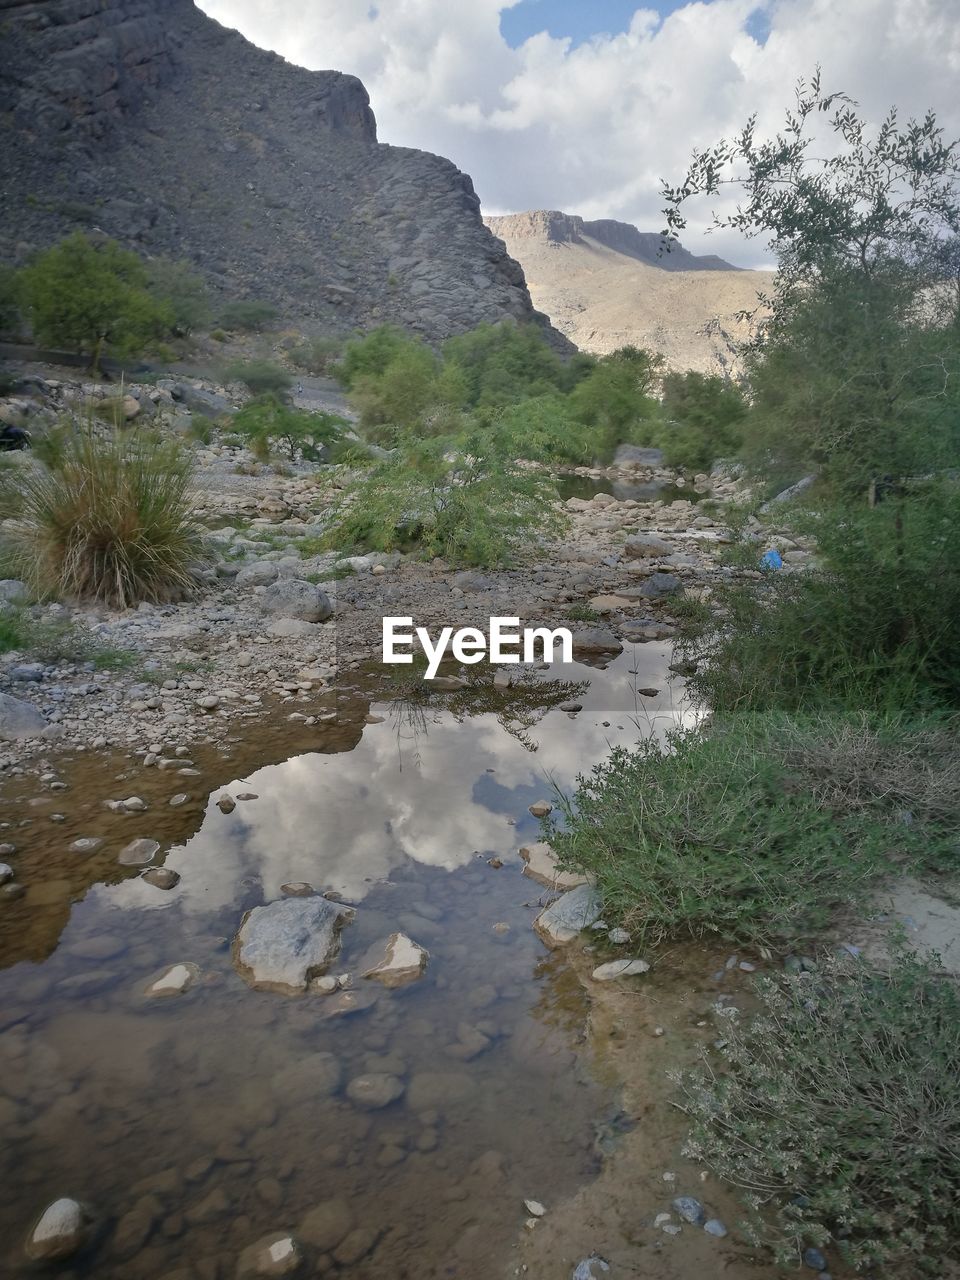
(148, 120)
(605, 284)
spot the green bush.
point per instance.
(614, 399)
(182, 293)
(883, 612)
(56, 642)
(112, 522)
(92, 297)
(461, 497)
(702, 416)
(316, 355)
(758, 830)
(247, 317)
(268, 421)
(502, 363)
(259, 376)
(398, 395)
(836, 1109)
(371, 353)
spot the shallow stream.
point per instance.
(195, 1124)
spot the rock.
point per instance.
(294, 598)
(292, 629)
(209, 702)
(502, 679)
(298, 889)
(714, 1227)
(139, 852)
(6, 872)
(282, 945)
(445, 684)
(161, 877)
(541, 865)
(397, 961)
(60, 1231)
(563, 920)
(85, 845)
(13, 591)
(375, 1090)
(814, 1259)
(133, 804)
(327, 1224)
(226, 804)
(355, 1246)
(587, 640)
(276, 1254)
(19, 719)
(634, 455)
(130, 407)
(572, 706)
(785, 495)
(178, 979)
(619, 937)
(589, 1269)
(659, 585)
(619, 969)
(534, 1208)
(540, 808)
(645, 546)
(259, 574)
(690, 1210)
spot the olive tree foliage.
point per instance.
(855, 367)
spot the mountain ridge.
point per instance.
(156, 125)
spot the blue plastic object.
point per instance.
(771, 559)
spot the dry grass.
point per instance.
(111, 521)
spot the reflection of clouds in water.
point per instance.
(341, 821)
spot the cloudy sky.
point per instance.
(584, 105)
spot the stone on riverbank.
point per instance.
(396, 961)
(564, 919)
(541, 865)
(19, 719)
(297, 599)
(282, 945)
(276, 1254)
(620, 969)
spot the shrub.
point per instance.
(506, 362)
(182, 293)
(92, 297)
(316, 355)
(702, 420)
(56, 642)
(111, 522)
(461, 497)
(744, 832)
(248, 316)
(837, 1111)
(615, 399)
(268, 421)
(371, 353)
(259, 375)
(398, 395)
(884, 610)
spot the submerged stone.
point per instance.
(282, 945)
(274, 1255)
(174, 981)
(620, 969)
(138, 852)
(59, 1231)
(564, 919)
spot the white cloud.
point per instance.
(591, 129)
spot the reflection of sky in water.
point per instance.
(430, 789)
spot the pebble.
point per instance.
(59, 1231)
(540, 808)
(175, 981)
(86, 844)
(619, 937)
(814, 1259)
(180, 799)
(714, 1227)
(534, 1208)
(139, 852)
(375, 1090)
(690, 1210)
(161, 877)
(226, 804)
(6, 872)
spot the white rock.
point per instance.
(619, 969)
(541, 865)
(397, 961)
(175, 981)
(535, 1208)
(282, 945)
(59, 1231)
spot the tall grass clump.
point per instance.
(760, 829)
(836, 1110)
(111, 522)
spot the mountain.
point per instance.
(150, 121)
(605, 284)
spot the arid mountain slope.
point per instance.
(150, 121)
(603, 285)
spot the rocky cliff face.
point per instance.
(622, 237)
(151, 122)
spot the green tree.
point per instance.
(268, 421)
(175, 286)
(702, 416)
(616, 396)
(857, 357)
(92, 297)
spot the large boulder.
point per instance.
(208, 403)
(294, 598)
(259, 574)
(595, 640)
(282, 945)
(646, 546)
(659, 585)
(19, 719)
